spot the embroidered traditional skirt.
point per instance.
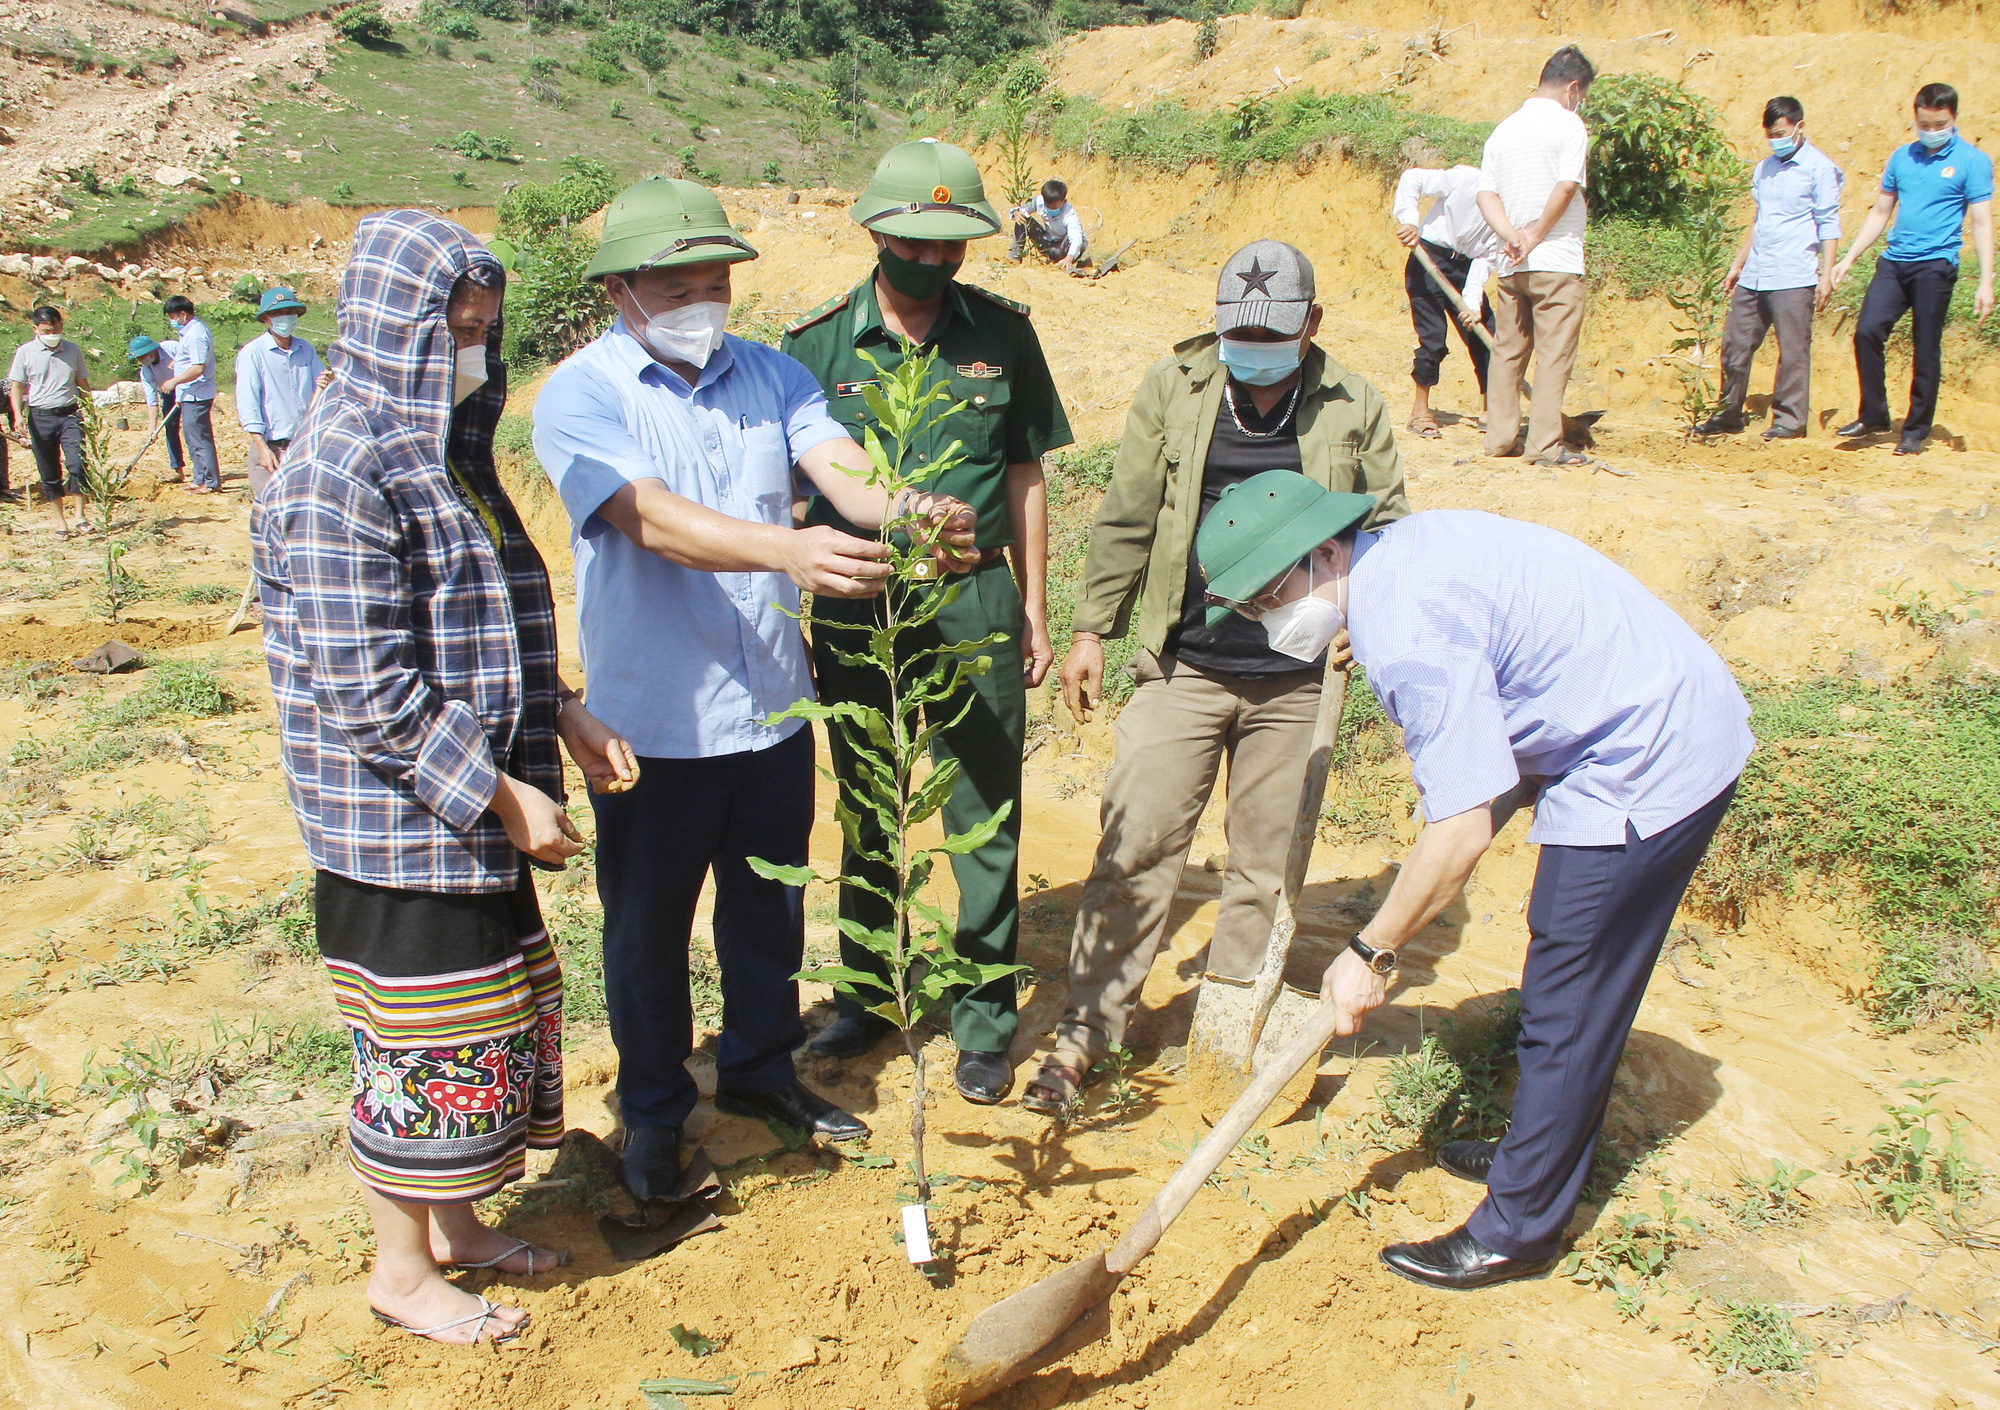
(455, 1004)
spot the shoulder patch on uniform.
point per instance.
(1000, 299)
(822, 313)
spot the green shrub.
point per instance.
(552, 309)
(364, 24)
(1655, 147)
(536, 207)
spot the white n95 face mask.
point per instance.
(283, 323)
(468, 372)
(50, 341)
(1304, 629)
(690, 333)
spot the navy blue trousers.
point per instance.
(1596, 920)
(655, 846)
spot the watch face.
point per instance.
(1384, 961)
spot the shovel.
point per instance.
(1043, 1323)
(1241, 1025)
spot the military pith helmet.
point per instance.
(279, 299)
(1260, 529)
(927, 190)
(663, 221)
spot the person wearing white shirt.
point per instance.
(1531, 180)
(1051, 221)
(1462, 246)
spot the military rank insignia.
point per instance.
(979, 369)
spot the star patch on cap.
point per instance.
(1257, 278)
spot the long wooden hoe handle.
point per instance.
(1221, 1140)
(1466, 317)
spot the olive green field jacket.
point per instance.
(1139, 545)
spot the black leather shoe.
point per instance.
(850, 1036)
(1468, 1160)
(1457, 1260)
(1910, 445)
(651, 1163)
(1720, 426)
(984, 1078)
(1785, 433)
(796, 1106)
(1861, 428)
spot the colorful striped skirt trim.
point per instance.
(458, 1070)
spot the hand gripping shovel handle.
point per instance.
(1305, 827)
(1466, 317)
(172, 412)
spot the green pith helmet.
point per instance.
(927, 190)
(664, 221)
(1261, 527)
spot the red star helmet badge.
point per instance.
(941, 194)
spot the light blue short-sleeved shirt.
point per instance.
(1932, 190)
(194, 347)
(1505, 650)
(151, 377)
(1798, 206)
(274, 386)
(684, 664)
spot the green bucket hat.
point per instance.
(140, 346)
(1260, 529)
(664, 221)
(927, 190)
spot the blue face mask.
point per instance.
(1784, 146)
(1934, 140)
(1259, 364)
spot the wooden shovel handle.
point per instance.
(1221, 1140)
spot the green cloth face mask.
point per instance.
(911, 279)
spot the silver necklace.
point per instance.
(1229, 395)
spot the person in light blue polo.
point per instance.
(155, 361)
(1929, 188)
(1782, 275)
(276, 376)
(679, 453)
(193, 386)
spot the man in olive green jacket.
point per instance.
(1256, 395)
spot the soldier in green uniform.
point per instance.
(925, 202)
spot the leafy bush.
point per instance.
(536, 207)
(552, 309)
(1655, 147)
(364, 24)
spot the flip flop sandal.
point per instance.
(520, 1246)
(1429, 430)
(486, 1310)
(1059, 1082)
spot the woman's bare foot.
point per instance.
(458, 1238)
(420, 1298)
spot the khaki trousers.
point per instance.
(1174, 733)
(1536, 314)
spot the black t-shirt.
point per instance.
(1238, 646)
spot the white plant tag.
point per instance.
(917, 1233)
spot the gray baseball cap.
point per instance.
(1266, 284)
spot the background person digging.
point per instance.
(1256, 395)
(155, 361)
(1522, 667)
(1463, 247)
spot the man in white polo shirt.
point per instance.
(1531, 181)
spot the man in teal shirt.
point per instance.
(1928, 187)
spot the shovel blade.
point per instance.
(1018, 1336)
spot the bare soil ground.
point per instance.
(236, 1280)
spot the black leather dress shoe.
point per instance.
(1457, 1260)
(796, 1106)
(1910, 445)
(1468, 1160)
(651, 1163)
(850, 1036)
(1785, 433)
(1861, 428)
(984, 1078)
(1720, 426)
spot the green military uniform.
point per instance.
(989, 356)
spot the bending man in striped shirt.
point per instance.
(1524, 669)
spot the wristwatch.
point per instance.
(1381, 961)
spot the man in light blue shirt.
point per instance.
(679, 453)
(276, 376)
(193, 386)
(1928, 188)
(155, 361)
(1782, 275)
(1523, 669)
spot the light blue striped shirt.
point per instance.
(274, 386)
(1798, 205)
(194, 346)
(1506, 650)
(683, 663)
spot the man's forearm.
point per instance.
(1495, 215)
(828, 465)
(1559, 200)
(693, 535)
(1432, 876)
(1028, 512)
(1829, 251)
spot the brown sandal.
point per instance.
(1055, 1087)
(1428, 428)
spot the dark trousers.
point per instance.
(200, 433)
(1596, 919)
(987, 744)
(1923, 289)
(1752, 314)
(56, 434)
(1431, 312)
(176, 457)
(1048, 239)
(656, 844)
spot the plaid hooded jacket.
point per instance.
(408, 663)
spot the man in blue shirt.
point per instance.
(1928, 187)
(155, 362)
(1523, 668)
(193, 386)
(276, 376)
(673, 447)
(1782, 275)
